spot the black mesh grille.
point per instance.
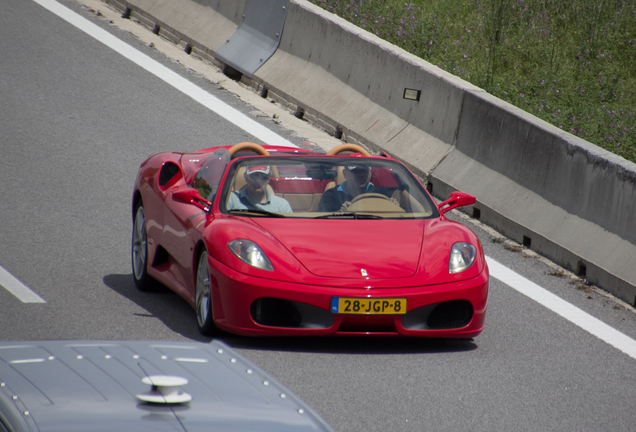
(451, 314)
(275, 313)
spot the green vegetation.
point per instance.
(571, 63)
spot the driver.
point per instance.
(255, 195)
(356, 182)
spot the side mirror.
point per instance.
(456, 199)
(192, 196)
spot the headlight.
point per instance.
(462, 256)
(249, 252)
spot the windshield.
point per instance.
(204, 172)
(324, 187)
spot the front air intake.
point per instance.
(450, 315)
(273, 312)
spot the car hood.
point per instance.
(85, 385)
(356, 249)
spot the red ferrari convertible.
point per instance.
(264, 240)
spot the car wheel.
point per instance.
(139, 251)
(203, 298)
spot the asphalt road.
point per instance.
(77, 119)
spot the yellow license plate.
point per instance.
(368, 306)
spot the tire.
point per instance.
(203, 298)
(139, 251)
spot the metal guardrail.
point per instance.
(256, 38)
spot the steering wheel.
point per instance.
(374, 203)
(348, 147)
(370, 195)
(248, 146)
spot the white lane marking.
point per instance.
(177, 81)
(568, 311)
(509, 277)
(17, 288)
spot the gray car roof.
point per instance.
(92, 385)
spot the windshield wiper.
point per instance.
(349, 215)
(248, 212)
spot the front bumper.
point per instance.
(249, 305)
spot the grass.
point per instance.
(568, 62)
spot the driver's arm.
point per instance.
(330, 201)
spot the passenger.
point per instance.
(256, 195)
(356, 182)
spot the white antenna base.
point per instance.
(164, 390)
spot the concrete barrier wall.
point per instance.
(203, 24)
(567, 171)
(565, 198)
